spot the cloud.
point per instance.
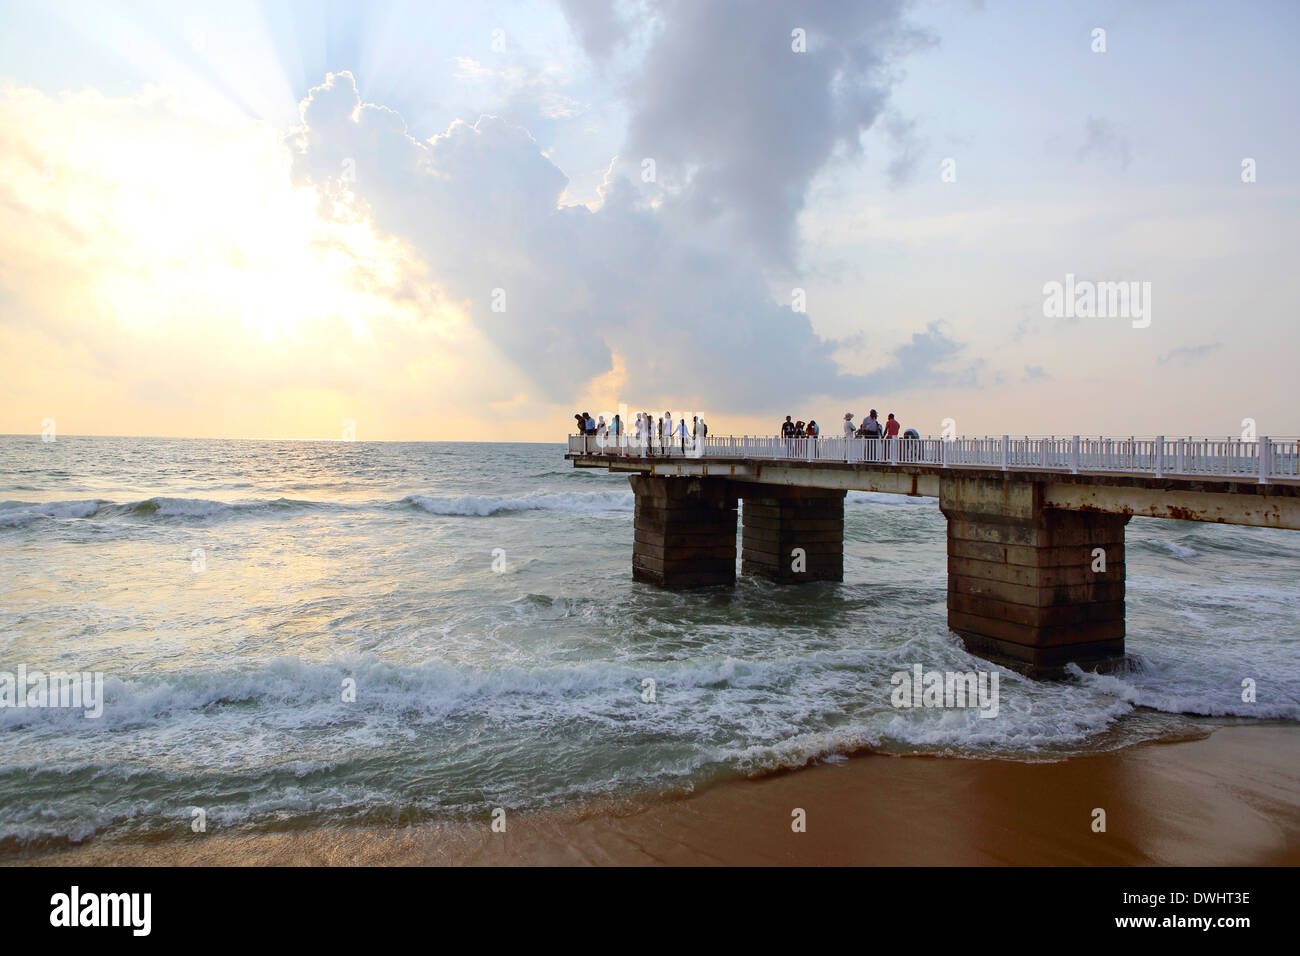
(738, 123)
(1104, 142)
(565, 292)
(530, 95)
(908, 148)
(1036, 373)
(1187, 354)
(929, 359)
(598, 23)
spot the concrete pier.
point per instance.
(792, 534)
(685, 531)
(1031, 586)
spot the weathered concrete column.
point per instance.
(685, 531)
(1032, 587)
(792, 534)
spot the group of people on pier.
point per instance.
(645, 431)
(668, 434)
(791, 429)
(870, 427)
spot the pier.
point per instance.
(1035, 525)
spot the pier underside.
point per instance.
(1029, 585)
(792, 535)
(685, 531)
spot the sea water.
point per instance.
(295, 634)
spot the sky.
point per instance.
(449, 221)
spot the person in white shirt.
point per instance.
(872, 425)
(848, 425)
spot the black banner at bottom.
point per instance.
(270, 906)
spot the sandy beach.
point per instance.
(1231, 798)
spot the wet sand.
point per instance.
(1232, 798)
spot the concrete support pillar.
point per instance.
(792, 534)
(685, 531)
(1032, 587)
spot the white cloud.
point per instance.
(481, 205)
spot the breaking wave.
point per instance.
(21, 513)
(17, 513)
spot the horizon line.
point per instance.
(339, 441)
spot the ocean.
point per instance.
(298, 633)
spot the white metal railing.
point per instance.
(1261, 460)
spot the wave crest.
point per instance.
(22, 513)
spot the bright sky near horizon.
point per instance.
(468, 221)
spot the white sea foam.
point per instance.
(895, 501)
(1202, 693)
(1178, 550)
(21, 513)
(163, 507)
(16, 513)
(706, 695)
(188, 507)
